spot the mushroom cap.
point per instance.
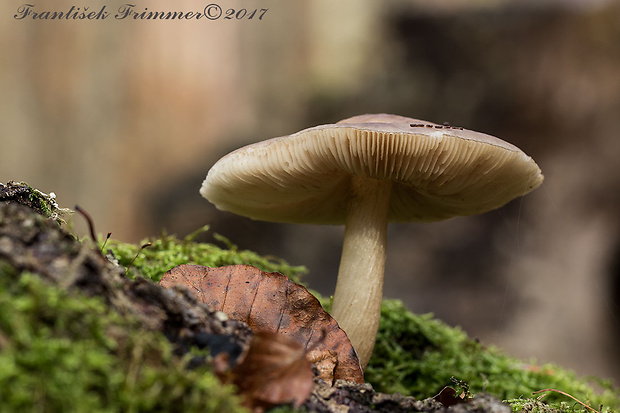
(437, 171)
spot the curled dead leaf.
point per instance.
(275, 371)
(270, 302)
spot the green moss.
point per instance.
(61, 351)
(66, 352)
(417, 355)
(167, 251)
(536, 406)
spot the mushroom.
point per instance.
(364, 172)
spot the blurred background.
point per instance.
(125, 118)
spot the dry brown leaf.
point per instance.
(275, 371)
(449, 397)
(270, 302)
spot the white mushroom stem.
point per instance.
(359, 289)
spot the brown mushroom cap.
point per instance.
(437, 171)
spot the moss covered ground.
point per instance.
(415, 355)
(419, 355)
(168, 251)
(63, 352)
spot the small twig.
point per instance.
(91, 225)
(148, 244)
(106, 241)
(567, 395)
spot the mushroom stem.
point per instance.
(359, 289)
